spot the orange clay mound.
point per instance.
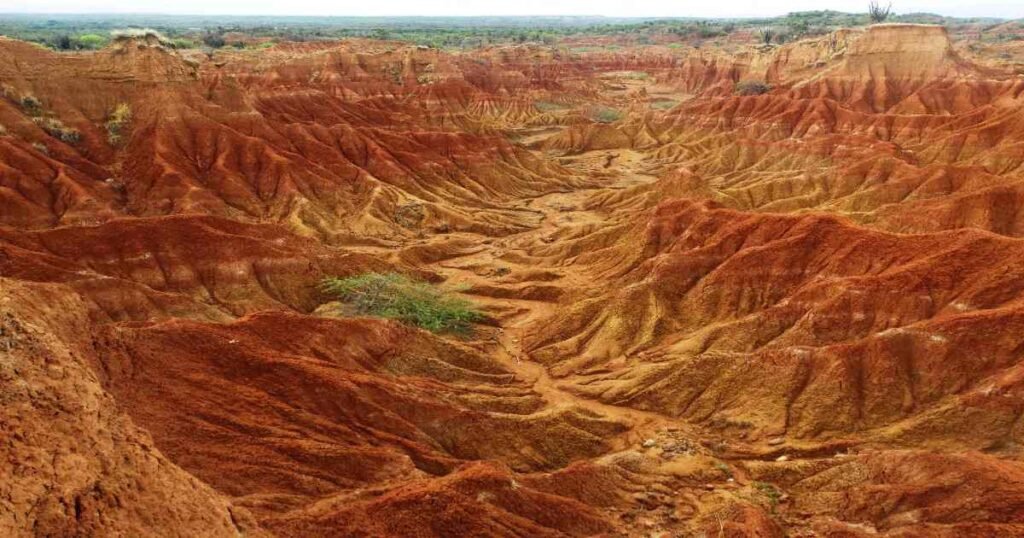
(707, 309)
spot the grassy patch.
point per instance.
(183, 43)
(605, 115)
(664, 104)
(549, 106)
(395, 296)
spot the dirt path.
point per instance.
(557, 211)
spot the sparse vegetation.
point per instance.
(877, 13)
(396, 296)
(31, 105)
(62, 42)
(183, 43)
(214, 40)
(605, 115)
(147, 34)
(771, 492)
(752, 87)
(766, 34)
(548, 106)
(439, 32)
(664, 104)
(410, 215)
(56, 128)
(117, 123)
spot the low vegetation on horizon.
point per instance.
(411, 301)
(89, 32)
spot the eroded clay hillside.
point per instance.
(729, 291)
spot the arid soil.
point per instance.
(792, 313)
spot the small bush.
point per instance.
(395, 296)
(57, 129)
(752, 87)
(117, 123)
(877, 13)
(605, 115)
(91, 41)
(31, 105)
(214, 40)
(182, 43)
(767, 35)
(63, 42)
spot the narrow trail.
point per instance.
(557, 212)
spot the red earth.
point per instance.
(798, 312)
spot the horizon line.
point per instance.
(497, 16)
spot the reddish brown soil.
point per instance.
(799, 313)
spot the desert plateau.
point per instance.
(662, 279)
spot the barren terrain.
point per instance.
(709, 312)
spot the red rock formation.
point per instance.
(788, 314)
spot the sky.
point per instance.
(616, 8)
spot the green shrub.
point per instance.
(91, 41)
(395, 296)
(57, 129)
(31, 105)
(182, 43)
(752, 87)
